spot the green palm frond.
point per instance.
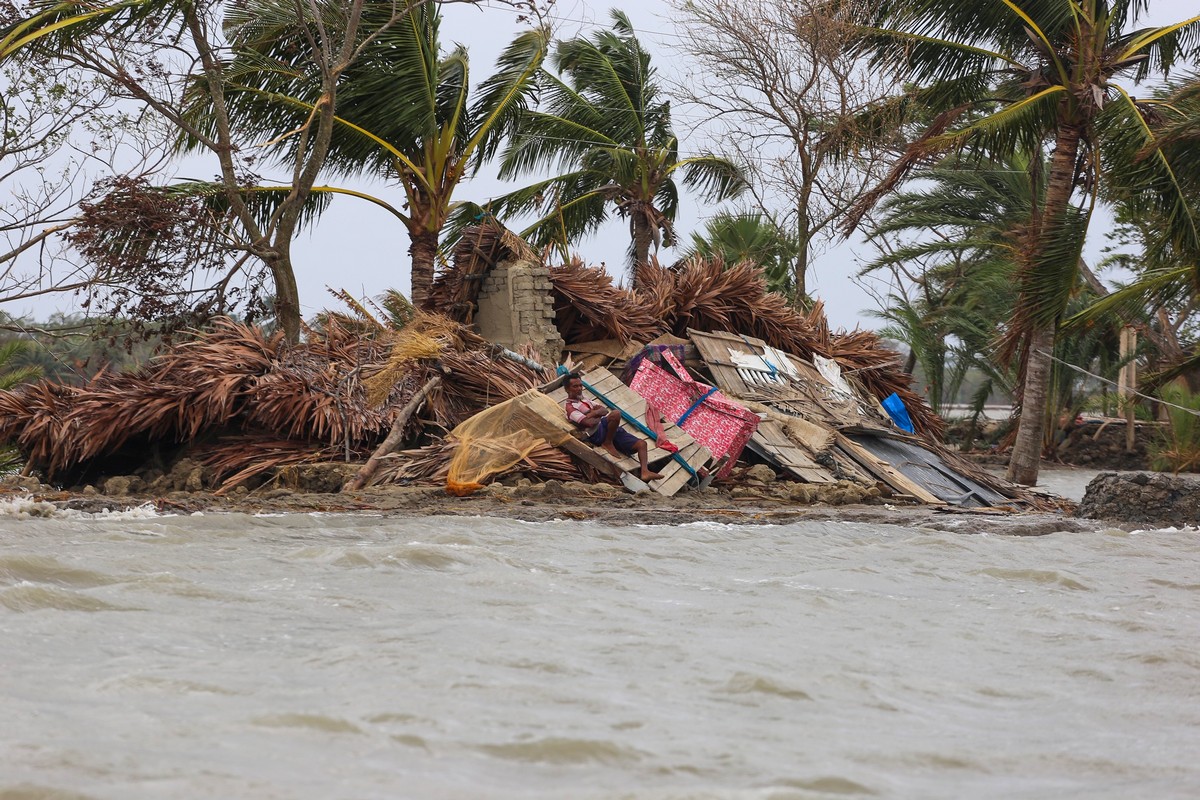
(1144, 175)
(507, 94)
(715, 178)
(13, 374)
(56, 27)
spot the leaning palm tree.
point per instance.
(607, 131)
(960, 225)
(1044, 72)
(964, 224)
(405, 113)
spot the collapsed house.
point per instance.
(701, 361)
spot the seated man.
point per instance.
(603, 427)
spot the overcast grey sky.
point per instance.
(363, 249)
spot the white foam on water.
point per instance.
(26, 507)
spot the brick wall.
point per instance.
(516, 306)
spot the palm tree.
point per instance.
(963, 224)
(750, 237)
(1168, 277)
(606, 129)
(1043, 72)
(404, 113)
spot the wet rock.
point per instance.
(761, 473)
(194, 482)
(323, 478)
(123, 485)
(28, 483)
(1153, 498)
(804, 493)
(842, 493)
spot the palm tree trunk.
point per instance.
(642, 237)
(1031, 426)
(1027, 450)
(424, 253)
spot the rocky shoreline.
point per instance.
(554, 500)
(1113, 500)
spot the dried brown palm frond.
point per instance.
(237, 459)
(478, 379)
(425, 465)
(426, 337)
(35, 419)
(229, 376)
(359, 318)
(588, 307)
(455, 291)
(408, 347)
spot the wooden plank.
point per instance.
(592, 455)
(794, 461)
(886, 472)
(678, 478)
(697, 455)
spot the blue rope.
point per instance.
(762, 357)
(694, 406)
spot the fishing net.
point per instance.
(500, 437)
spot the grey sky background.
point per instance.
(364, 250)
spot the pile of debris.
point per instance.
(701, 362)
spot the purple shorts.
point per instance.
(625, 441)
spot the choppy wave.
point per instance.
(311, 657)
(31, 597)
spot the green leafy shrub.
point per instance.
(1178, 447)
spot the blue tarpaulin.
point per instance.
(894, 406)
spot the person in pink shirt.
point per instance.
(603, 427)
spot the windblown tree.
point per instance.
(1045, 72)
(188, 63)
(782, 91)
(154, 51)
(953, 242)
(606, 130)
(1167, 278)
(950, 245)
(405, 113)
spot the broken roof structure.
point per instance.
(733, 373)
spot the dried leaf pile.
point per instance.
(242, 402)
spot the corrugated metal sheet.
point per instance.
(927, 469)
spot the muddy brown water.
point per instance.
(356, 656)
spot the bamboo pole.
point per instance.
(1127, 384)
(394, 438)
